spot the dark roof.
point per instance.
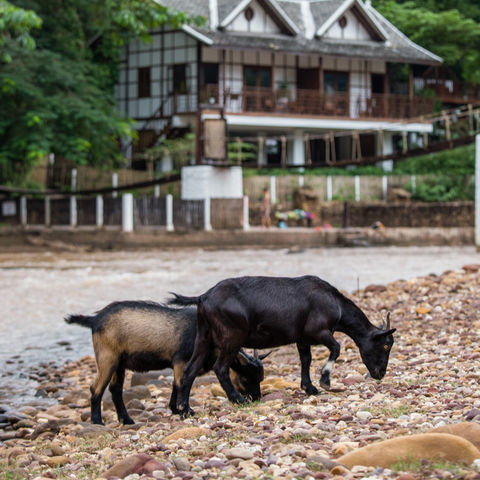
(397, 48)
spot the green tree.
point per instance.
(59, 97)
(442, 27)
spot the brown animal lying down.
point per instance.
(142, 336)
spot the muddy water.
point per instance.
(38, 290)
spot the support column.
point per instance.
(127, 212)
(99, 211)
(477, 192)
(385, 187)
(246, 214)
(207, 204)
(169, 212)
(73, 211)
(385, 147)
(329, 189)
(23, 211)
(357, 188)
(48, 212)
(298, 157)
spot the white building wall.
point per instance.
(260, 23)
(353, 30)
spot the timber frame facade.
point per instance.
(285, 72)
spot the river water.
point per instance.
(38, 290)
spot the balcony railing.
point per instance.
(311, 102)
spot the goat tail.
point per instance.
(83, 320)
(182, 300)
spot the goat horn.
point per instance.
(388, 321)
(255, 354)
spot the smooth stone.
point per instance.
(182, 464)
(428, 446)
(243, 453)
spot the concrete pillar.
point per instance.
(477, 191)
(301, 180)
(99, 211)
(273, 190)
(74, 179)
(298, 154)
(114, 184)
(169, 212)
(413, 181)
(48, 212)
(73, 211)
(23, 211)
(384, 149)
(246, 214)
(207, 214)
(156, 191)
(357, 188)
(329, 188)
(384, 187)
(127, 212)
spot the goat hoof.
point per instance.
(97, 422)
(240, 400)
(325, 384)
(311, 390)
(188, 412)
(128, 421)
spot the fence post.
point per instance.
(156, 191)
(48, 213)
(169, 213)
(477, 192)
(73, 211)
(246, 214)
(273, 190)
(414, 183)
(385, 187)
(127, 212)
(357, 188)
(329, 189)
(23, 211)
(99, 211)
(301, 181)
(207, 204)
(114, 184)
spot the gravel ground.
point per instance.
(431, 383)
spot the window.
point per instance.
(258, 77)
(210, 73)
(144, 82)
(308, 79)
(180, 79)
(334, 82)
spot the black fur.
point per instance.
(265, 312)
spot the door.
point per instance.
(258, 89)
(335, 85)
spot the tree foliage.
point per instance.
(448, 28)
(59, 97)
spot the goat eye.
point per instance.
(386, 347)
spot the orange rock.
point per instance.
(187, 433)
(468, 430)
(423, 310)
(411, 448)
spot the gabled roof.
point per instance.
(305, 23)
(272, 5)
(360, 10)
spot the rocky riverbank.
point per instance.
(431, 385)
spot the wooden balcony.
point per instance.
(311, 102)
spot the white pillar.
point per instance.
(114, 184)
(23, 211)
(357, 188)
(477, 191)
(127, 212)
(48, 212)
(99, 211)
(273, 190)
(414, 183)
(73, 211)
(156, 191)
(385, 187)
(329, 189)
(206, 214)
(246, 214)
(74, 179)
(301, 181)
(298, 157)
(169, 213)
(386, 148)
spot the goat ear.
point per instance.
(243, 358)
(265, 355)
(384, 333)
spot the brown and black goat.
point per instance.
(142, 336)
(266, 312)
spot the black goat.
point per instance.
(265, 312)
(142, 336)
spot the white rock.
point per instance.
(364, 415)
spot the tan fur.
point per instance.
(237, 383)
(107, 361)
(412, 448)
(136, 330)
(178, 369)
